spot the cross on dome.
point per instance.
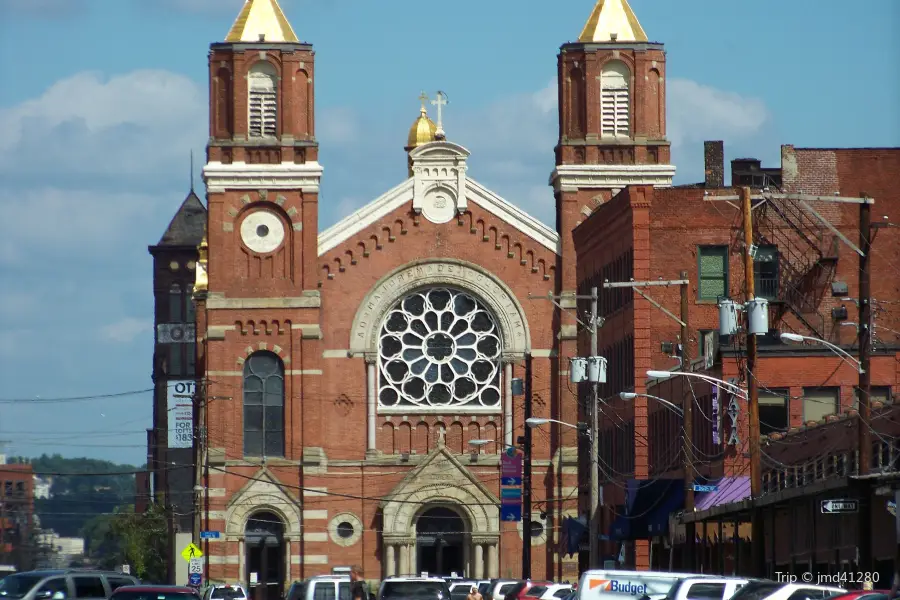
(423, 98)
(440, 102)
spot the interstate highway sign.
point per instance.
(839, 507)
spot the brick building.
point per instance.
(344, 374)
(16, 515)
(807, 271)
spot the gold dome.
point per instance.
(422, 131)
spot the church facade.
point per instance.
(357, 385)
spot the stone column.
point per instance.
(390, 566)
(479, 561)
(493, 564)
(242, 575)
(413, 558)
(371, 400)
(404, 559)
(287, 557)
(507, 406)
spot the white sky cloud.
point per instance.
(126, 330)
(699, 112)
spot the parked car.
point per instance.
(771, 590)
(866, 595)
(706, 588)
(521, 589)
(499, 588)
(417, 588)
(460, 588)
(321, 587)
(155, 592)
(234, 591)
(552, 591)
(63, 584)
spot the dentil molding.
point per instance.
(569, 178)
(242, 176)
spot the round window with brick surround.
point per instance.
(439, 348)
(345, 529)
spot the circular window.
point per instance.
(439, 348)
(537, 529)
(345, 530)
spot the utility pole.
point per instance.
(595, 443)
(595, 323)
(526, 477)
(199, 435)
(687, 407)
(757, 546)
(864, 539)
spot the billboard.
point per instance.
(180, 408)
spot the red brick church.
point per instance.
(356, 383)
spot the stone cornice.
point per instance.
(242, 176)
(570, 178)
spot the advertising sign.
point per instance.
(181, 413)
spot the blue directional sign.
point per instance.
(705, 488)
(511, 495)
(511, 512)
(512, 481)
(195, 579)
(209, 535)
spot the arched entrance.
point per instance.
(441, 542)
(264, 537)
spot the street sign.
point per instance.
(511, 465)
(705, 488)
(510, 495)
(191, 551)
(195, 579)
(196, 565)
(837, 507)
(209, 535)
(511, 512)
(126, 569)
(512, 481)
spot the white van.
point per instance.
(706, 588)
(627, 585)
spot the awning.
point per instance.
(648, 504)
(722, 491)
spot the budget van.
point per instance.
(627, 585)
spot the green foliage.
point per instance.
(126, 537)
(76, 499)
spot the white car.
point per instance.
(706, 588)
(233, 591)
(770, 590)
(553, 591)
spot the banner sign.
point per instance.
(181, 413)
(715, 415)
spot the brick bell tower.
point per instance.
(612, 133)
(260, 306)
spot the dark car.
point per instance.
(155, 592)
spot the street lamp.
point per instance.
(537, 422)
(673, 407)
(845, 356)
(719, 382)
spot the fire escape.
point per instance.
(806, 259)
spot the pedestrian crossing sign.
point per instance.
(191, 551)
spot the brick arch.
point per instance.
(280, 504)
(280, 205)
(425, 273)
(265, 347)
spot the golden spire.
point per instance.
(423, 130)
(612, 21)
(261, 21)
(201, 282)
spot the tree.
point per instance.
(125, 537)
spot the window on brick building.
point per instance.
(819, 402)
(264, 405)
(773, 411)
(876, 394)
(615, 101)
(713, 272)
(765, 272)
(263, 89)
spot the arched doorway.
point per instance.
(264, 536)
(441, 542)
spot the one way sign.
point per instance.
(836, 507)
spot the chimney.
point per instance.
(714, 161)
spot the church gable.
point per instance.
(263, 492)
(439, 190)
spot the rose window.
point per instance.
(439, 348)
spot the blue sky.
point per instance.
(103, 100)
